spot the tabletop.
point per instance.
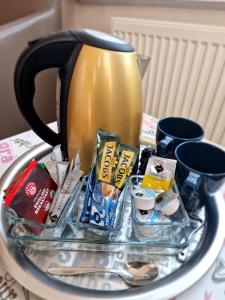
(210, 287)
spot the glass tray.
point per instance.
(79, 236)
(29, 228)
(31, 266)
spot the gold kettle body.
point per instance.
(105, 93)
(100, 89)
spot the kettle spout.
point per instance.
(143, 62)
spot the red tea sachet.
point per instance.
(32, 193)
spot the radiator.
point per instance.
(186, 75)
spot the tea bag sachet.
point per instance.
(31, 195)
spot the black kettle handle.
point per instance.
(49, 52)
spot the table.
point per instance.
(210, 287)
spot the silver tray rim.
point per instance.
(29, 276)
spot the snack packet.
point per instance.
(159, 173)
(103, 165)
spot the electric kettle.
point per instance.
(100, 89)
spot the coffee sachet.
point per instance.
(127, 158)
(100, 179)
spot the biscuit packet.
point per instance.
(159, 174)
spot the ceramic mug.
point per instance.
(172, 131)
(200, 172)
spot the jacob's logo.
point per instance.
(107, 162)
(123, 168)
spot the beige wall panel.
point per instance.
(98, 16)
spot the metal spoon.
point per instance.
(134, 273)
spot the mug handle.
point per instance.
(163, 146)
(190, 184)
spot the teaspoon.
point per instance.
(134, 273)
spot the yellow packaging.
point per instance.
(107, 162)
(106, 156)
(159, 173)
(155, 183)
(128, 156)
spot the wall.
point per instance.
(13, 10)
(21, 22)
(98, 16)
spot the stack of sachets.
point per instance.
(43, 191)
(156, 190)
(112, 164)
(155, 200)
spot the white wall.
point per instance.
(98, 16)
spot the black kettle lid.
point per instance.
(101, 40)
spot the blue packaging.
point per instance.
(97, 201)
(114, 204)
(101, 205)
(85, 215)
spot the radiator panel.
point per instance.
(186, 75)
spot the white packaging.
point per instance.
(143, 200)
(151, 230)
(148, 130)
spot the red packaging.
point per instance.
(32, 194)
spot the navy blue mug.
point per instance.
(173, 131)
(200, 172)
